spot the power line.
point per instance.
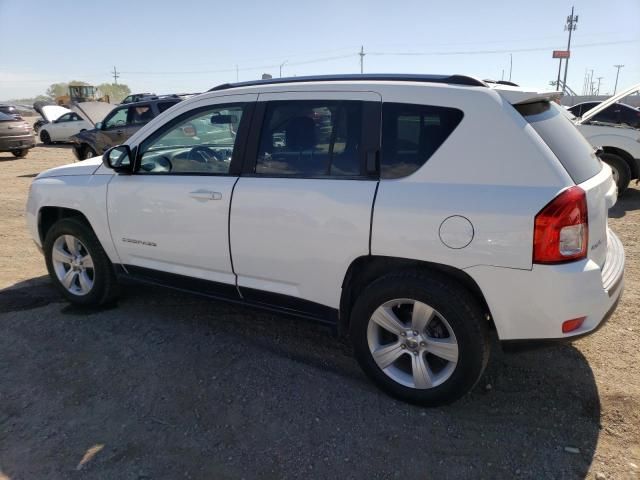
(504, 50)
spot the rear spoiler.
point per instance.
(518, 96)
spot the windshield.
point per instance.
(553, 123)
(6, 118)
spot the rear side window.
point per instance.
(563, 138)
(310, 139)
(162, 106)
(411, 134)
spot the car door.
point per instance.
(111, 131)
(169, 219)
(301, 211)
(58, 130)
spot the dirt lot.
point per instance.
(170, 385)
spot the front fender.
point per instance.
(86, 194)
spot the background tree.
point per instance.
(116, 91)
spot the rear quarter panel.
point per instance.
(493, 170)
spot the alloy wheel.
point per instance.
(412, 343)
(73, 265)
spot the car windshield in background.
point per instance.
(6, 118)
(563, 138)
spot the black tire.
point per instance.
(105, 286)
(620, 169)
(45, 137)
(452, 301)
(20, 153)
(88, 152)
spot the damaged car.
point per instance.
(118, 126)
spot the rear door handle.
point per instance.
(205, 195)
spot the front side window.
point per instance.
(411, 134)
(310, 138)
(116, 119)
(200, 143)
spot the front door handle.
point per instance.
(205, 195)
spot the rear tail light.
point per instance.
(571, 325)
(561, 230)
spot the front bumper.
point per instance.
(17, 142)
(533, 304)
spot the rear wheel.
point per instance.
(420, 337)
(20, 153)
(78, 265)
(620, 170)
(45, 137)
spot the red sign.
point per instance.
(561, 54)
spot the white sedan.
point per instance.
(63, 126)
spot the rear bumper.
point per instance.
(18, 142)
(533, 304)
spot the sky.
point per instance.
(193, 45)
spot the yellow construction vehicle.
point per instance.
(79, 94)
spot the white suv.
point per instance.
(414, 213)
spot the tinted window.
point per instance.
(310, 138)
(6, 118)
(563, 138)
(162, 106)
(630, 116)
(411, 134)
(199, 143)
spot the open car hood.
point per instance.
(52, 112)
(588, 115)
(92, 112)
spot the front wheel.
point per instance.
(88, 152)
(420, 337)
(20, 153)
(45, 137)
(78, 265)
(620, 170)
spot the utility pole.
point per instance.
(510, 65)
(617, 73)
(362, 54)
(116, 74)
(558, 81)
(599, 80)
(571, 26)
(282, 65)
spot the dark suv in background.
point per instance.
(118, 126)
(618, 113)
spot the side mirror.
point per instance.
(99, 126)
(119, 159)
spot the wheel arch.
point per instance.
(364, 270)
(627, 157)
(48, 216)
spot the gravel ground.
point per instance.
(169, 385)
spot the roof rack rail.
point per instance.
(501, 82)
(400, 77)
